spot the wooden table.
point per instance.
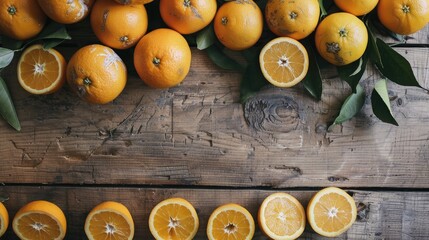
(199, 142)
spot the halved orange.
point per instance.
(331, 212)
(109, 220)
(4, 219)
(173, 218)
(284, 61)
(40, 220)
(41, 71)
(230, 221)
(281, 216)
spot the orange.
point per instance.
(284, 61)
(187, 16)
(295, 19)
(173, 219)
(403, 16)
(41, 71)
(356, 7)
(133, 1)
(341, 38)
(109, 220)
(4, 219)
(162, 58)
(118, 26)
(66, 12)
(331, 211)
(97, 74)
(281, 217)
(238, 24)
(40, 220)
(21, 19)
(230, 221)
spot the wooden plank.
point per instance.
(382, 215)
(199, 134)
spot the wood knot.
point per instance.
(272, 113)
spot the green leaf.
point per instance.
(373, 51)
(323, 11)
(51, 43)
(313, 80)
(222, 60)
(3, 197)
(351, 106)
(7, 110)
(53, 30)
(395, 67)
(10, 43)
(353, 72)
(253, 80)
(206, 37)
(6, 56)
(381, 103)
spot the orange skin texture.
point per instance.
(133, 1)
(5, 215)
(238, 24)
(392, 16)
(97, 74)
(162, 58)
(294, 19)
(187, 16)
(21, 19)
(46, 207)
(66, 12)
(341, 50)
(356, 7)
(118, 26)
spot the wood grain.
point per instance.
(381, 215)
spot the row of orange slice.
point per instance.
(330, 212)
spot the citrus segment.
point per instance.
(40, 220)
(4, 219)
(173, 219)
(284, 62)
(331, 212)
(341, 38)
(230, 221)
(295, 19)
(41, 71)
(403, 16)
(281, 217)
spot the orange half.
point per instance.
(230, 222)
(41, 71)
(281, 217)
(4, 219)
(40, 220)
(331, 212)
(284, 62)
(109, 220)
(173, 218)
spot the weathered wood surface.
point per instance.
(381, 215)
(199, 134)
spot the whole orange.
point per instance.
(238, 24)
(403, 16)
(187, 16)
(294, 19)
(118, 26)
(66, 12)
(356, 7)
(21, 19)
(96, 73)
(162, 58)
(341, 38)
(133, 1)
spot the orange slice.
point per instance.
(331, 212)
(230, 221)
(4, 219)
(281, 217)
(173, 218)
(109, 220)
(41, 71)
(284, 61)
(39, 220)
